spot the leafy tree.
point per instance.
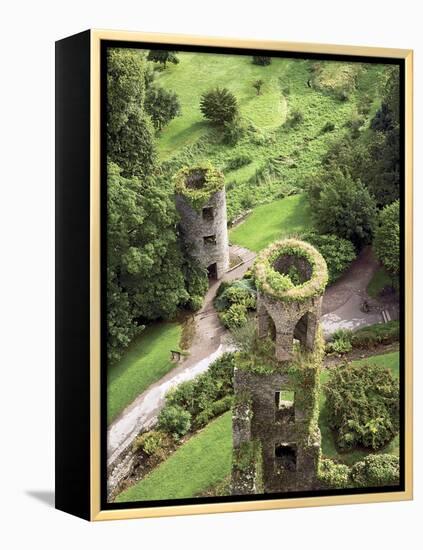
(163, 57)
(387, 238)
(363, 405)
(374, 156)
(343, 206)
(338, 252)
(162, 106)
(257, 85)
(121, 326)
(220, 106)
(130, 134)
(145, 262)
(261, 60)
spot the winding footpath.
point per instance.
(207, 346)
(341, 309)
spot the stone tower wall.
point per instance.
(196, 225)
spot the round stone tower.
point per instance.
(201, 202)
(276, 436)
(291, 277)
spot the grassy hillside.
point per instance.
(146, 360)
(201, 462)
(277, 156)
(273, 221)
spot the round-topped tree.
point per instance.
(201, 203)
(291, 277)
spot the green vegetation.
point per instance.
(219, 106)
(288, 286)
(271, 222)
(382, 333)
(201, 399)
(201, 462)
(337, 252)
(146, 360)
(373, 471)
(234, 300)
(198, 183)
(329, 449)
(343, 206)
(376, 471)
(387, 239)
(380, 280)
(363, 405)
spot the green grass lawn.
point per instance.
(270, 222)
(203, 461)
(197, 73)
(391, 362)
(378, 282)
(146, 360)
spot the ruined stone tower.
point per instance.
(201, 202)
(276, 437)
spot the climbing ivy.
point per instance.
(281, 286)
(212, 181)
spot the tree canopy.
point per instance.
(387, 238)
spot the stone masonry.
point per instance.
(205, 233)
(283, 403)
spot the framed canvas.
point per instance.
(233, 275)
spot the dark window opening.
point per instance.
(284, 406)
(286, 456)
(212, 271)
(210, 239)
(208, 214)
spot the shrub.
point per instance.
(258, 85)
(198, 395)
(233, 131)
(241, 292)
(163, 57)
(235, 316)
(238, 162)
(219, 106)
(341, 342)
(153, 443)
(369, 337)
(217, 408)
(333, 475)
(195, 302)
(328, 127)
(295, 118)
(363, 405)
(175, 421)
(376, 471)
(338, 252)
(261, 60)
